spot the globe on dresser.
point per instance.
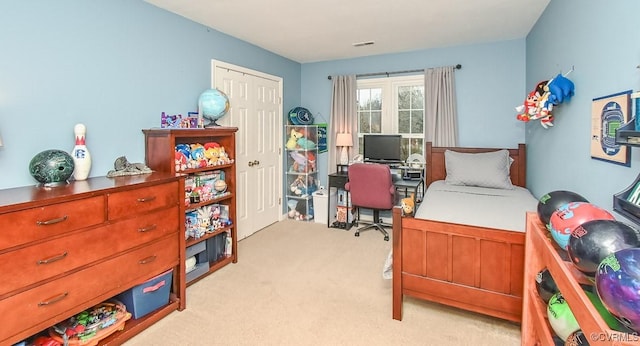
(213, 105)
(52, 167)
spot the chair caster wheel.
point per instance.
(386, 237)
(357, 234)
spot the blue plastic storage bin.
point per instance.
(148, 296)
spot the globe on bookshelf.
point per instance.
(213, 105)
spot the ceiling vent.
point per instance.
(362, 44)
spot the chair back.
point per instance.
(371, 186)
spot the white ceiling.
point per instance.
(311, 30)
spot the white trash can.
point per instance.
(321, 205)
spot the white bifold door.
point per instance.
(256, 110)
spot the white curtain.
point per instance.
(441, 116)
(344, 116)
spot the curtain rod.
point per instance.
(457, 67)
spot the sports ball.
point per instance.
(52, 167)
(220, 185)
(561, 319)
(571, 215)
(611, 320)
(594, 240)
(545, 285)
(551, 201)
(618, 286)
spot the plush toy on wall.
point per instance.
(547, 94)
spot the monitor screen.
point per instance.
(382, 148)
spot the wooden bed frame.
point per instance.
(473, 268)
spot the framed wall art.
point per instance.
(608, 113)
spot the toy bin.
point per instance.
(148, 296)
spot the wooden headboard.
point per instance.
(436, 168)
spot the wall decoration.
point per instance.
(608, 113)
(539, 103)
(322, 138)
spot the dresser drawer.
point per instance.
(127, 203)
(57, 256)
(73, 293)
(26, 226)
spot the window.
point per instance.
(393, 105)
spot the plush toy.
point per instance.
(408, 205)
(560, 89)
(292, 143)
(540, 102)
(304, 143)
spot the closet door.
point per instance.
(256, 109)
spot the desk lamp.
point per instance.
(344, 140)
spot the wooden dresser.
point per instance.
(65, 249)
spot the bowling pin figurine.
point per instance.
(80, 153)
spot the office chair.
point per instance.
(371, 187)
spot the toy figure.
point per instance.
(408, 205)
(292, 143)
(539, 103)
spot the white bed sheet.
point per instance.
(477, 206)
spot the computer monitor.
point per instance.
(382, 148)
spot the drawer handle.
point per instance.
(54, 299)
(147, 229)
(146, 199)
(148, 259)
(52, 221)
(53, 259)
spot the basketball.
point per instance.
(545, 285)
(618, 286)
(560, 316)
(571, 215)
(551, 201)
(594, 240)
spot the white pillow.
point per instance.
(489, 169)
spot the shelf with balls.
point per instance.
(580, 260)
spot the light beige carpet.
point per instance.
(301, 283)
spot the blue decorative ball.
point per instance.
(52, 167)
(213, 105)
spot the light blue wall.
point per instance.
(113, 65)
(489, 86)
(602, 41)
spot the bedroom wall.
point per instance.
(114, 66)
(601, 40)
(489, 86)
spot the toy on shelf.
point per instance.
(198, 155)
(292, 143)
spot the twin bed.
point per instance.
(465, 245)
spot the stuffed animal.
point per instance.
(408, 205)
(292, 143)
(304, 143)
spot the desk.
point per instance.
(338, 180)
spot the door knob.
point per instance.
(250, 163)
(256, 162)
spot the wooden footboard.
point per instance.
(472, 268)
